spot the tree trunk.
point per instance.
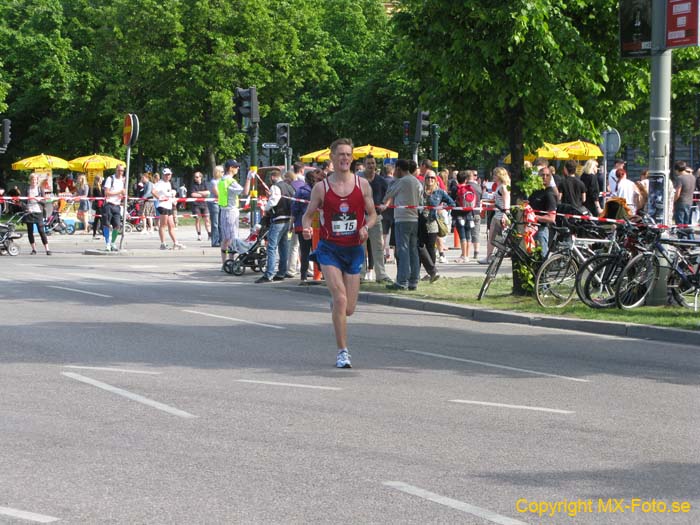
(209, 160)
(515, 117)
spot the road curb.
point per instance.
(629, 330)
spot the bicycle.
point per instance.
(641, 273)
(509, 245)
(556, 280)
(597, 277)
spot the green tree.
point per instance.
(508, 79)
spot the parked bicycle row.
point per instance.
(605, 265)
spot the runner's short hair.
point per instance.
(341, 142)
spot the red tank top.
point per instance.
(342, 217)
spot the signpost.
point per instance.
(129, 136)
(682, 23)
(270, 145)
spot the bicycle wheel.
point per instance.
(584, 270)
(636, 281)
(491, 272)
(599, 280)
(555, 281)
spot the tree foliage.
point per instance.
(508, 79)
(73, 68)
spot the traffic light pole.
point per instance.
(254, 137)
(659, 205)
(435, 129)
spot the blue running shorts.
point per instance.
(348, 259)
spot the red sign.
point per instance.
(682, 22)
(127, 129)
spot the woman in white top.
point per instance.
(501, 197)
(35, 213)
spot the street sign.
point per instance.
(126, 135)
(270, 145)
(131, 129)
(611, 141)
(635, 28)
(682, 22)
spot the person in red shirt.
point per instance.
(347, 212)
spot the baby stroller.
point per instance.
(133, 218)
(252, 252)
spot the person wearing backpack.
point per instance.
(467, 194)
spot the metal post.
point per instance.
(253, 135)
(288, 159)
(126, 197)
(435, 132)
(660, 133)
(604, 189)
(415, 152)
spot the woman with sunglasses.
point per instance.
(433, 196)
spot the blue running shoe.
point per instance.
(343, 360)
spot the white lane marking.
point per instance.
(24, 515)
(108, 369)
(503, 405)
(234, 319)
(101, 277)
(453, 503)
(129, 395)
(230, 283)
(142, 266)
(494, 365)
(79, 291)
(295, 385)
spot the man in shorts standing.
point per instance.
(347, 212)
(114, 192)
(163, 191)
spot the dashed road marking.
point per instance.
(29, 516)
(294, 385)
(495, 365)
(109, 369)
(453, 503)
(129, 395)
(234, 319)
(503, 405)
(79, 291)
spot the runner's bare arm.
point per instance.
(315, 202)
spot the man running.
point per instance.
(347, 213)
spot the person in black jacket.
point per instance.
(279, 209)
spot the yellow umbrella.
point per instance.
(547, 151)
(316, 156)
(580, 150)
(95, 162)
(380, 153)
(41, 162)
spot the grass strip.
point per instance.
(463, 290)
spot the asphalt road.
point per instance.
(156, 389)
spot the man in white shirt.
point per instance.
(612, 176)
(164, 192)
(627, 190)
(114, 192)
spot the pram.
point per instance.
(133, 218)
(252, 252)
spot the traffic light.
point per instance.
(283, 136)
(6, 125)
(245, 101)
(406, 132)
(422, 125)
